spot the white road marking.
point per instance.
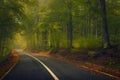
(48, 69)
(8, 72)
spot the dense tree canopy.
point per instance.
(55, 24)
(10, 18)
(75, 24)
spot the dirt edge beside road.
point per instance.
(90, 66)
(6, 65)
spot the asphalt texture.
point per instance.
(28, 68)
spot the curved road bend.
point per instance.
(28, 68)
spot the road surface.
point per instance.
(43, 68)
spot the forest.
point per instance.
(59, 24)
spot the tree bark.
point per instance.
(70, 25)
(105, 25)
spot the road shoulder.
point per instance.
(90, 66)
(6, 65)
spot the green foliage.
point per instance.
(47, 23)
(10, 19)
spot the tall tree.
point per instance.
(105, 24)
(10, 18)
(70, 23)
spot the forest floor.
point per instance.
(104, 64)
(7, 64)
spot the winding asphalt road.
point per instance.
(30, 67)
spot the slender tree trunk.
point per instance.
(95, 33)
(105, 25)
(70, 32)
(45, 39)
(70, 25)
(87, 29)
